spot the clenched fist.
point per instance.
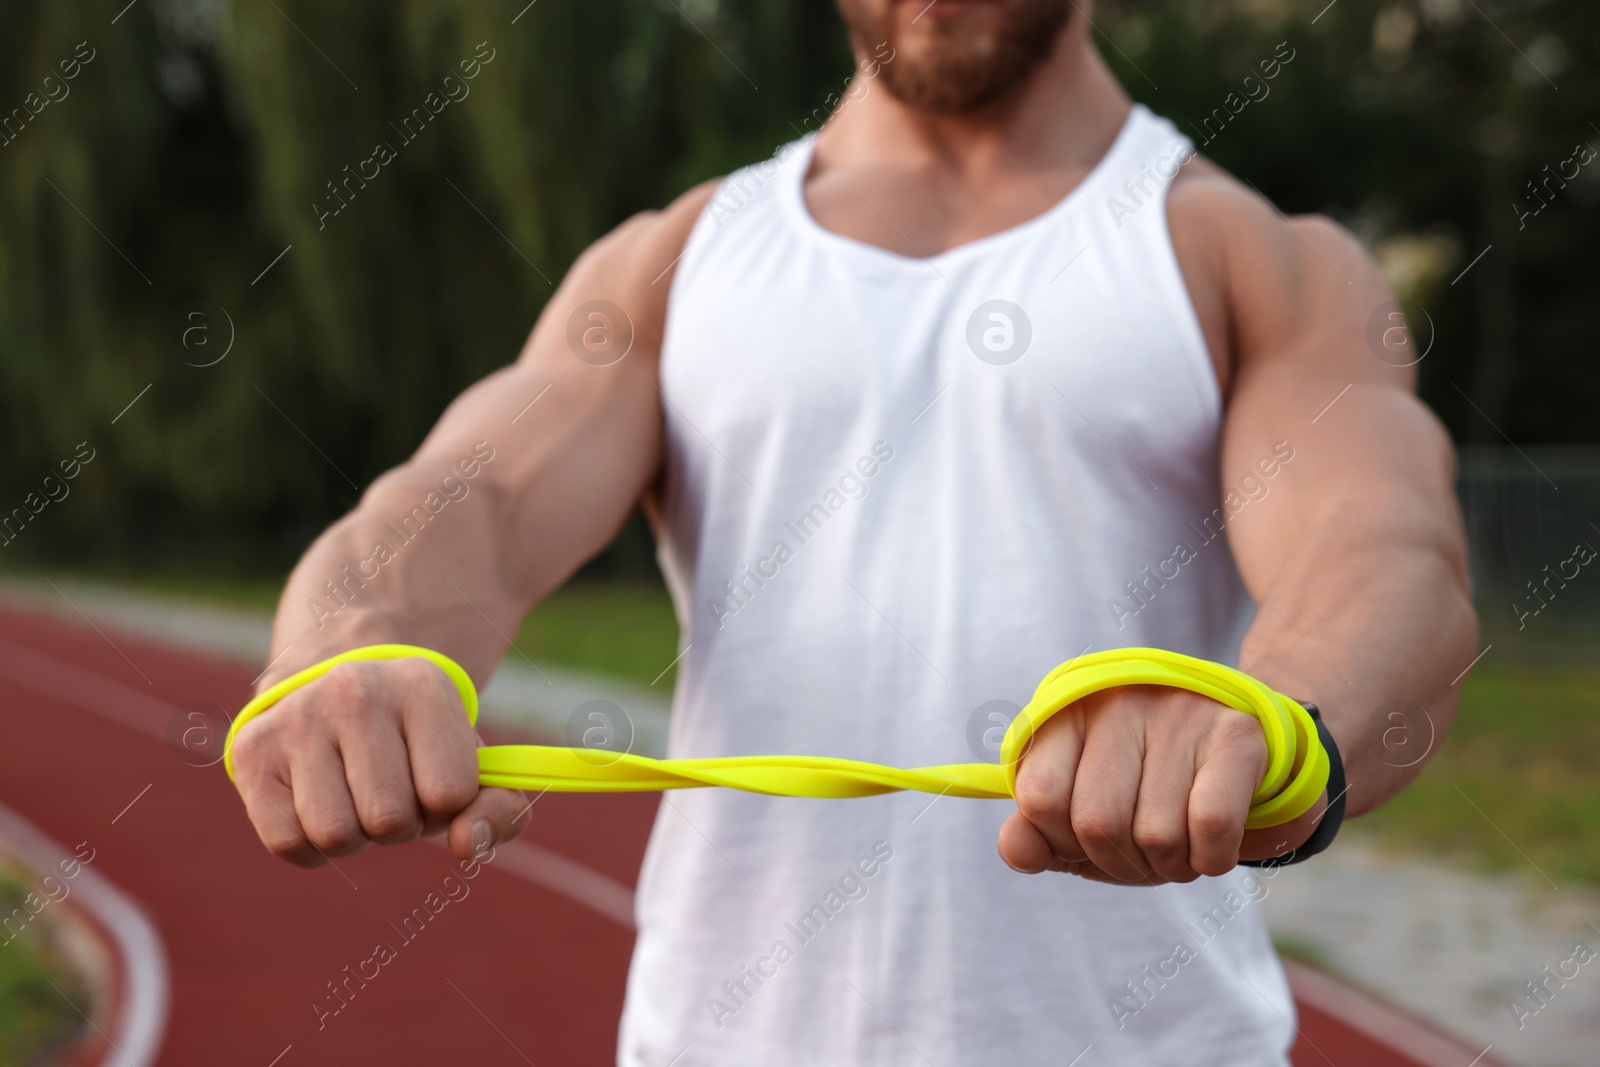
(1143, 785)
(376, 751)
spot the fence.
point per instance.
(1533, 524)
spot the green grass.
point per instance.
(258, 593)
(34, 1018)
(1302, 951)
(1523, 750)
(625, 630)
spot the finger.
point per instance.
(1220, 799)
(1284, 838)
(1106, 792)
(322, 800)
(1161, 811)
(1045, 780)
(441, 743)
(270, 805)
(494, 816)
(1023, 848)
(261, 776)
(1090, 873)
(378, 774)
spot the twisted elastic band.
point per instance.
(1296, 775)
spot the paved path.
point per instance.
(1454, 947)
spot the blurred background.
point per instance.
(226, 343)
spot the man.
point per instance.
(990, 372)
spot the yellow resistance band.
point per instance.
(1297, 764)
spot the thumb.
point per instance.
(494, 816)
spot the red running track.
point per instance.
(525, 965)
(508, 973)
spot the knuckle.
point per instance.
(336, 837)
(448, 793)
(1040, 798)
(419, 673)
(1098, 824)
(391, 821)
(1237, 728)
(282, 842)
(341, 686)
(354, 691)
(414, 680)
(1214, 822)
(291, 722)
(1161, 843)
(252, 744)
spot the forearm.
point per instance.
(413, 563)
(1369, 620)
(528, 474)
(1357, 558)
(564, 444)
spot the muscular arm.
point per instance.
(565, 474)
(526, 475)
(1355, 557)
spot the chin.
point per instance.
(956, 55)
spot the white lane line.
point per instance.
(57, 679)
(562, 875)
(135, 1035)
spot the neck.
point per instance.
(1060, 116)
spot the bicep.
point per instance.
(1367, 458)
(574, 426)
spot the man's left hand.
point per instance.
(1142, 785)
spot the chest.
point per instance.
(782, 353)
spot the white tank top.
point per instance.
(899, 491)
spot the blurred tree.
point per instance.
(1419, 124)
(195, 166)
(210, 137)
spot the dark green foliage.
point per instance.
(1423, 118)
(203, 133)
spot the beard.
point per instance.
(961, 63)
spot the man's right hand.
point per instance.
(372, 752)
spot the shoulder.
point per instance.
(1268, 286)
(632, 266)
(648, 242)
